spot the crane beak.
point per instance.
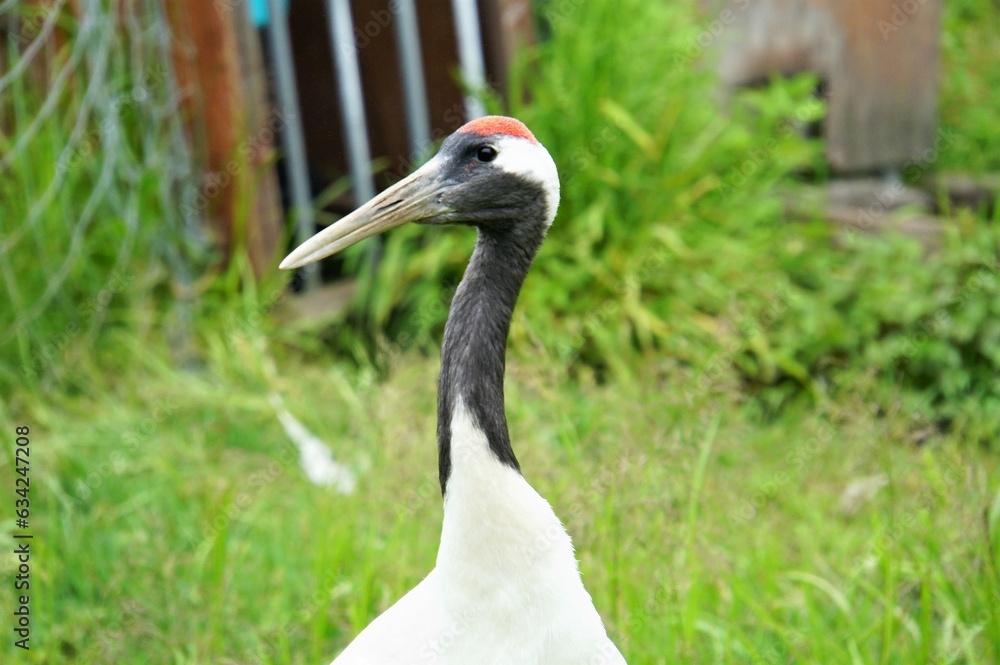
(413, 199)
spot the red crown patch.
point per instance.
(497, 124)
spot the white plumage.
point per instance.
(505, 568)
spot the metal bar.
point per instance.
(345, 57)
(411, 64)
(470, 54)
(295, 147)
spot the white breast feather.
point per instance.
(506, 589)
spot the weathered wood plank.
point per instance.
(878, 60)
(228, 122)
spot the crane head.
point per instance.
(491, 173)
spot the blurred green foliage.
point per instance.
(970, 79)
(94, 172)
(671, 236)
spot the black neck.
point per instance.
(473, 357)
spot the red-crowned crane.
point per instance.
(506, 589)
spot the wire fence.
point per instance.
(94, 174)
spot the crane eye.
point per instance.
(486, 153)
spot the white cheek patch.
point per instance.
(532, 162)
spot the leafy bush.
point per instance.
(970, 88)
(929, 321)
(671, 239)
(650, 172)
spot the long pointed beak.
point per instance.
(412, 199)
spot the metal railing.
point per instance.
(351, 94)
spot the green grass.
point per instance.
(177, 527)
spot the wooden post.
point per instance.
(231, 125)
(508, 28)
(878, 60)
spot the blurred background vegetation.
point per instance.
(662, 244)
(676, 321)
